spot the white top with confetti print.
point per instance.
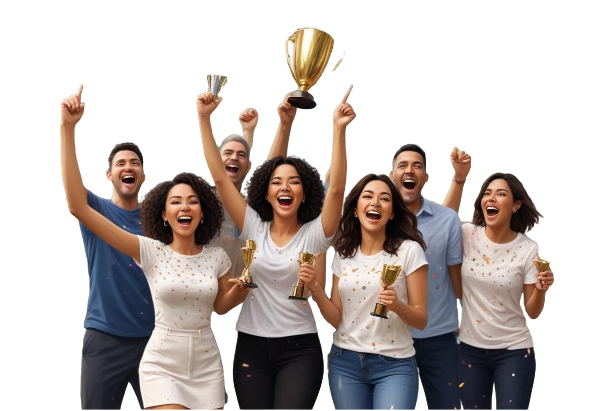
(183, 287)
(359, 285)
(493, 276)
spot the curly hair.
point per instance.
(155, 202)
(402, 227)
(314, 190)
(524, 218)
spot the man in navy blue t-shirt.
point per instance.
(120, 314)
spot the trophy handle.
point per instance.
(292, 38)
(340, 62)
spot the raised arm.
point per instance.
(71, 111)
(249, 120)
(231, 197)
(332, 209)
(461, 162)
(286, 113)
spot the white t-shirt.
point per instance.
(359, 285)
(493, 276)
(267, 311)
(183, 287)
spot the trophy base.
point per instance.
(298, 294)
(294, 297)
(380, 311)
(302, 99)
(250, 285)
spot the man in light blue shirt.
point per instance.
(436, 346)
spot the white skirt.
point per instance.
(182, 367)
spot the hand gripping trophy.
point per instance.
(312, 49)
(248, 255)
(298, 293)
(389, 275)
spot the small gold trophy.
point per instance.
(248, 255)
(541, 265)
(389, 275)
(215, 84)
(312, 49)
(298, 293)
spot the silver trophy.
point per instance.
(215, 84)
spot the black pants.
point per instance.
(277, 373)
(108, 364)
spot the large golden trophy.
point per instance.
(248, 255)
(298, 293)
(389, 275)
(541, 265)
(312, 49)
(215, 84)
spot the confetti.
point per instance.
(461, 385)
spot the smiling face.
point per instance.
(409, 176)
(498, 204)
(285, 192)
(374, 207)
(183, 211)
(126, 174)
(236, 162)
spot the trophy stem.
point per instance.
(380, 311)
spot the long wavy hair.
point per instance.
(156, 200)
(402, 227)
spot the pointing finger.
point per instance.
(80, 91)
(347, 94)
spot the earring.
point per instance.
(355, 215)
(303, 200)
(202, 219)
(165, 223)
(514, 211)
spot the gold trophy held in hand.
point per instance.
(312, 49)
(298, 293)
(248, 255)
(215, 84)
(541, 265)
(389, 275)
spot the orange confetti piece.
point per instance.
(461, 385)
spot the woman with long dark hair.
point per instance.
(496, 348)
(372, 363)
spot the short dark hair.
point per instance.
(410, 147)
(526, 216)
(402, 227)
(124, 147)
(238, 139)
(156, 200)
(314, 191)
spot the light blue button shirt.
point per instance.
(440, 227)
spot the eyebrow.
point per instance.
(406, 162)
(229, 150)
(190, 196)
(281, 178)
(372, 192)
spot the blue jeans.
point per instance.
(372, 381)
(511, 371)
(437, 359)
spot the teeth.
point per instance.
(491, 208)
(284, 198)
(409, 180)
(373, 212)
(186, 218)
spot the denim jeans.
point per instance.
(372, 381)
(437, 360)
(511, 371)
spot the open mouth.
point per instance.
(373, 215)
(491, 211)
(128, 180)
(232, 168)
(185, 220)
(409, 184)
(284, 201)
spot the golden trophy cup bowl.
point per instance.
(312, 49)
(248, 256)
(215, 84)
(298, 293)
(389, 275)
(541, 265)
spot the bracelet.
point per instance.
(458, 181)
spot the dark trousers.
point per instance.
(277, 373)
(510, 371)
(108, 364)
(437, 361)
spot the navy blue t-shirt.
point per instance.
(119, 302)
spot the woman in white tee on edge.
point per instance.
(496, 347)
(278, 361)
(372, 363)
